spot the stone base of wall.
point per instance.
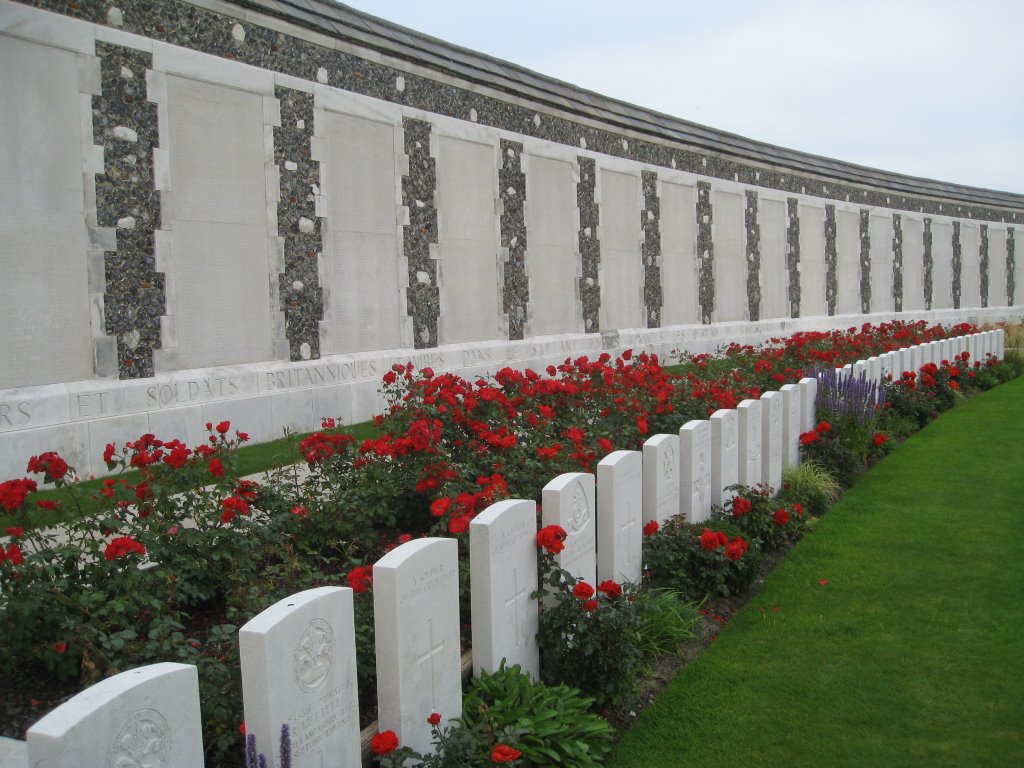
(78, 419)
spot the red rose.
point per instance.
(709, 540)
(798, 509)
(384, 742)
(300, 511)
(823, 426)
(108, 453)
(808, 437)
(552, 538)
(216, 467)
(781, 517)
(880, 439)
(241, 728)
(60, 647)
(611, 588)
(434, 718)
(15, 532)
(583, 591)
(651, 528)
(605, 444)
(360, 578)
(740, 506)
(14, 554)
(223, 427)
(122, 546)
(459, 524)
(49, 464)
(736, 549)
(590, 605)
(503, 753)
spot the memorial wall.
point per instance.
(249, 211)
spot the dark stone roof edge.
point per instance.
(356, 27)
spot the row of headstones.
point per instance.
(980, 346)
(298, 656)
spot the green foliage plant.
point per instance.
(810, 485)
(762, 517)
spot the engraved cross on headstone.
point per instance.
(428, 656)
(519, 594)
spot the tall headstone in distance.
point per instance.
(791, 417)
(503, 575)
(299, 669)
(144, 717)
(620, 516)
(661, 478)
(724, 454)
(416, 621)
(772, 407)
(749, 443)
(568, 501)
(695, 474)
(810, 403)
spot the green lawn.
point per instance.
(912, 651)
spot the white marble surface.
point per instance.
(812, 260)
(695, 473)
(678, 255)
(569, 501)
(621, 267)
(730, 259)
(620, 517)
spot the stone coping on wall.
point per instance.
(78, 419)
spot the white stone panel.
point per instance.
(416, 623)
(970, 266)
(913, 263)
(772, 418)
(44, 294)
(621, 265)
(749, 442)
(568, 501)
(880, 226)
(774, 270)
(503, 572)
(362, 281)
(812, 261)
(725, 455)
(552, 261)
(147, 716)
(661, 478)
(219, 268)
(468, 246)
(620, 517)
(695, 470)
(298, 662)
(942, 264)
(678, 255)
(1018, 254)
(996, 267)
(730, 260)
(847, 262)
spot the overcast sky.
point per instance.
(933, 88)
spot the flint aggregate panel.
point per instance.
(220, 266)
(812, 261)
(730, 258)
(552, 262)
(44, 294)
(621, 264)
(678, 255)
(466, 184)
(362, 280)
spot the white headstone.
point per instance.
(146, 717)
(792, 417)
(725, 456)
(1000, 343)
(661, 478)
(772, 417)
(906, 360)
(695, 474)
(620, 516)
(503, 574)
(416, 621)
(568, 501)
(874, 369)
(917, 356)
(810, 402)
(13, 753)
(299, 669)
(860, 370)
(749, 443)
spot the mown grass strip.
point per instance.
(910, 653)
